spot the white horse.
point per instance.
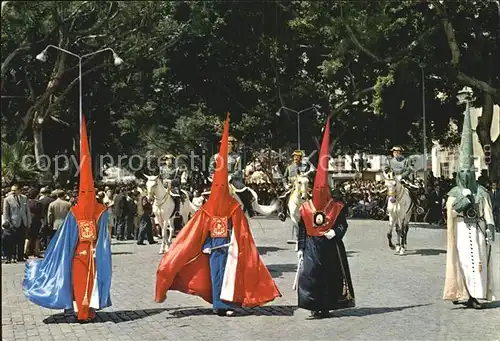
(298, 195)
(163, 209)
(399, 209)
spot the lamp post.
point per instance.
(424, 122)
(278, 113)
(42, 56)
(424, 118)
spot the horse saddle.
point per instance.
(413, 195)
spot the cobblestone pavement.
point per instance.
(398, 298)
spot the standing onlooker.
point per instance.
(429, 182)
(109, 202)
(132, 212)
(100, 197)
(7, 242)
(146, 225)
(484, 179)
(58, 210)
(121, 213)
(45, 199)
(32, 243)
(16, 214)
(435, 202)
(139, 212)
(495, 203)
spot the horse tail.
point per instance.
(263, 209)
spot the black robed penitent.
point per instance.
(324, 278)
(324, 281)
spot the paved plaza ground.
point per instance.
(397, 298)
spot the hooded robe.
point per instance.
(471, 263)
(76, 271)
(200, 263)
(324, 281)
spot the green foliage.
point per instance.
(383, 83)
(18, 162)
(187, 63)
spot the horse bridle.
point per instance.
(165, 197)
(298, 191)
(393, 193)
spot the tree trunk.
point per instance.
(38, 146)
(43, 163)
(483, 132)
(494, 166)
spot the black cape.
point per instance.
(324, 278)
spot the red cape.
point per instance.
(186, 269)
(331, 211)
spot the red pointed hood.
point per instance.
(321, 194)
(87, 207)
(220, 202)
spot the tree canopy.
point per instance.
(187, 63)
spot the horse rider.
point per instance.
(296, 168)
(235, 173)
(171, 175)
(399, 165)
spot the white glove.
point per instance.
(466, 192)
(330, 234)
(300, 255)
(206, 251)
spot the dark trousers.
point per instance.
(145, 229)
(45, 236)
(50, 234)
(496, 217)
(129, 227)
(8, 244)
(113, 227)
(19, 236)
(121, 224)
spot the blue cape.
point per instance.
(48, 282)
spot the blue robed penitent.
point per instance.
(48, 282)
(218, 260)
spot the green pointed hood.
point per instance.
(466, 175)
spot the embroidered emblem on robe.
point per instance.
(320, 219)
(86, 231)
(218, 227)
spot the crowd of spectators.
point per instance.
(47, 207)
(368, 198)
(28, 233)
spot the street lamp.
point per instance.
(424, 122)
(278, 113)
(424, 118)
(42, 56)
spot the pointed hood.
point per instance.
(87, 206)
(466, 175)
(220, 202)
(321, 193)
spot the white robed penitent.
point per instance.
(473, 258)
